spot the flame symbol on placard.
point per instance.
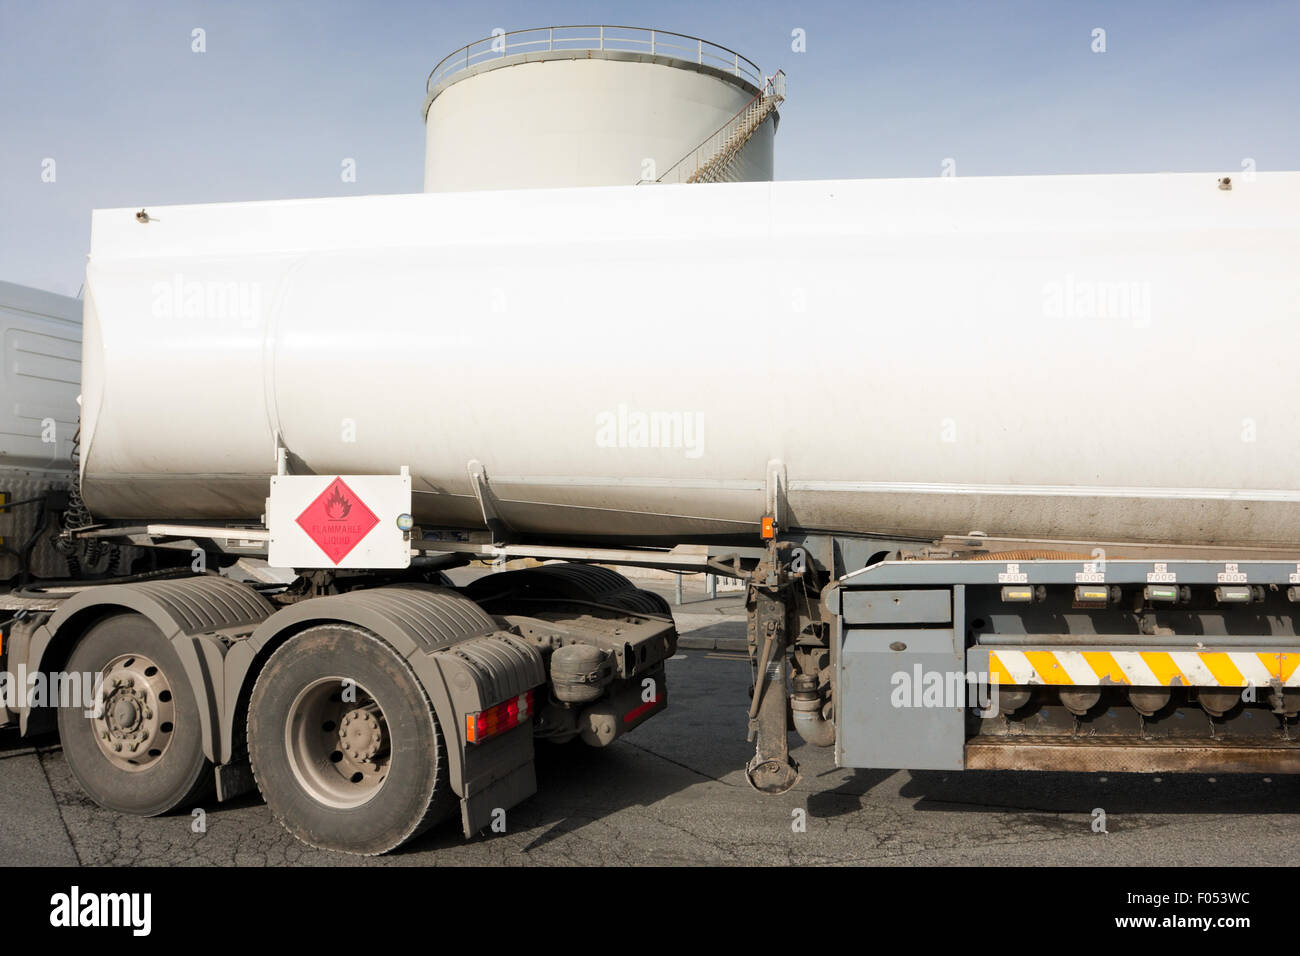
(336, 506)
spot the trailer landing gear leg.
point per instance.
(772, 770)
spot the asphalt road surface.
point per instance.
(673, 792)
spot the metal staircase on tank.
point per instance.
(713, 160)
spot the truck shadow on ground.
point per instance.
(848, 797)
(577, 785)
(987, 791)
(13, 745)
(984, 790)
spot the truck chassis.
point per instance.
(368, 705)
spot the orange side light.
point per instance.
(769, 528)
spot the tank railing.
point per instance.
(727, 140)
(678, 46)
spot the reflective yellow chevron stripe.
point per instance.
(1221, 666)
(1105, 666)
(1144, 668)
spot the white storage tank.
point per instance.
(596, 106)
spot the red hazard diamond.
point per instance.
(337, 520)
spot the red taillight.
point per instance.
(499, 718)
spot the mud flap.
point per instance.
(502, 779)
(469, 677)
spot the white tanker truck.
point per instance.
(1009, 467)
(40, 343)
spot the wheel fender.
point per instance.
(456, 651)
(188, 612)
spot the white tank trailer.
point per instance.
(1084, 358)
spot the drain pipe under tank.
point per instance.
(806, 710)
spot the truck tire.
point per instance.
(361, 771)
(582, 582)
(143, 753)
(640, 601)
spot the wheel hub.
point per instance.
(126, 714)
(360, 735)
(339, 751)
(134, 712)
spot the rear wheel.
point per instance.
(641, 601)
(138, 748)
(579, 582)
(344, 743)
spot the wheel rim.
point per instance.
(339, 750)
(135, 713)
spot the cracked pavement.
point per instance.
(673, 792)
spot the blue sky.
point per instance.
(113, 93)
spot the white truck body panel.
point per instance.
(1070, 357)
(39, 378)
(40, 367)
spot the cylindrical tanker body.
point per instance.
(1085, 358)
